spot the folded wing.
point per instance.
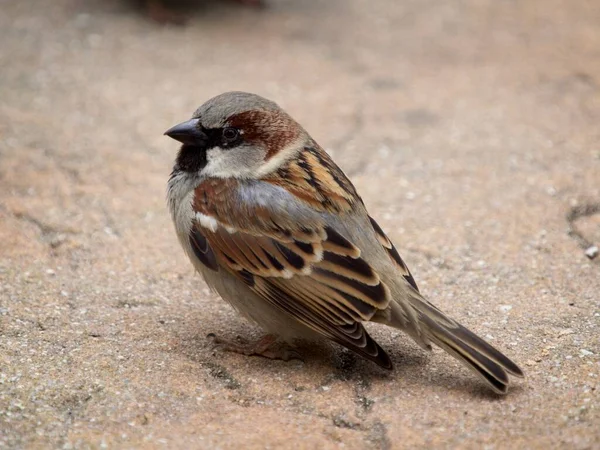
(310, 272)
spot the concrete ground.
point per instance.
(470, 129)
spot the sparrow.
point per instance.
(277, 229)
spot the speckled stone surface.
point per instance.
(470, 129)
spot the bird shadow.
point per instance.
(334, 363)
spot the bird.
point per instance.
(278, 230)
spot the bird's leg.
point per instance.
(266, 347)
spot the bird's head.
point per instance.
(237, 135)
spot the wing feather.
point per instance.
(352, 336)
(393, 254)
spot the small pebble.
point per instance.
(592, 251)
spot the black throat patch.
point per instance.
(191, 158)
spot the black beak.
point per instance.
(188, 133)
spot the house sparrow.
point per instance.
(277, 229)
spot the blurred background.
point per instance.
(470, 128)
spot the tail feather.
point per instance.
(478, 355)
(474, 341)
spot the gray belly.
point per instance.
(255, 308)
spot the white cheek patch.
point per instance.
(228, 163)
(216, 163)
(243, 162)
(214, 153)
(207, 221)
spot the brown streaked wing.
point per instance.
(344, 283)
(315, 179)
(393, 253)
(305, 268)
(352, 335)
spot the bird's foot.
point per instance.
(267, 347)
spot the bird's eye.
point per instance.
(230, 134)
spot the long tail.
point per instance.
(475, 353)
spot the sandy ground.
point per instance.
(470, 129)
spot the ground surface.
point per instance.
(470, 129)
